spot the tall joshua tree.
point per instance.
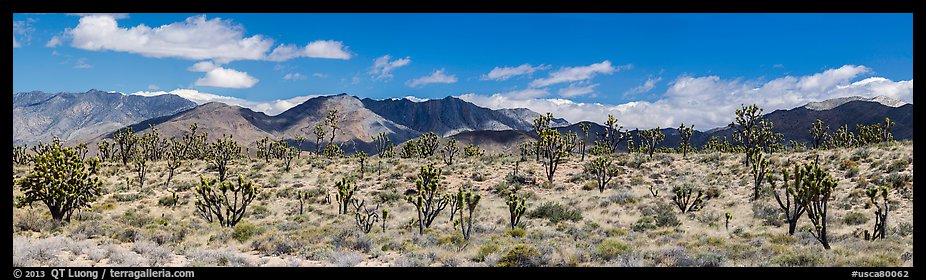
(752, 131)
(818, 131)
(584, 127)
(685, 135)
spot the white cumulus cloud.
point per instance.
(383, 66)
(317, 49)
(273, 107)
(577, 90)
(53, 42)
(711, 101)
(294, 76)
(226, 78)
(645, 87)
(195, 38)
(436, 77)
(578, 73)
(202, 66)
(504, 73)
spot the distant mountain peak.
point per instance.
(836, 102)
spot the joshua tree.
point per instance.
(685, 135)
(603, 169)
(584, 127)
(449, 151)
(759, 169)
(60, 180)
(81, 149)
(222, 153)
(289, 153)
(141, 165)
(104, 148)
(299, 141)
(345, 193)
(302, 196)
(728, 217)
(21, 154)
(427, 144)
(686, 200)
(468, 201)
(428, 200)
(263, 149)
(818, 188)
(517, 205)
(842, 138)
(385, 217)
(320, 133)
(224, 202)
(472, 151)
(554, 147)
(333, 151)
(195, 144)
(409, 149)
(364, 217)
(752, 131)
(362, 157)
(818, 131)
(541, 124)
(883, 207)
(125, 139)
(332, 121)
(383, 145)
(651, 138)
(653, 190)
(792, 191)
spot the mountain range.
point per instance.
(95, 115)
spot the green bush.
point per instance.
(663, 214)
(244, 231)
(516, 232)
(610, 249)
(521, 255)
(555, 213)
(485, 250)
(854, 218)
(803, 259)
(644, 223)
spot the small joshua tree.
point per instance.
(427, 145)
(409, 149)
(222, 153)
(818, 131)
(362, 158)
(332, 121)
(60, 180)
(141, 166)
(472, 151)
(174, 159)
(517, 205)
(686, 199)
(428, 200)
(468, 202)
(584, 127)
(365, 218)
(125, 139)
(651, 138)
(383, 145)
(21, 155)
(263, 149)
(792, 191)
(302, 196)
(104, 149)
(320, 133)
(81, 149)
(449, 151)
(603, 169)
(385, 217)
(345, 193)
(653, 190)
(613, 136)
(818, 189)
(289, 153)
(727, 217)
(541, 123)
(685, 134)
(759, 169)
(224, 202)
(882, 207)
(333, 151)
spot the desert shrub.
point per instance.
(770, 215)
(644, 223)
(854, 218)
(662, 213)
(903, 229)
(221, 257)
(126, 197)
(521, 255)
(610, 249)
(516, 232)
(244, 231)
(555, 213)
(388, 196)
(485, 250)
(622, 198)
(260, 211)
(799, 259)
(276, 244)
(852, 172)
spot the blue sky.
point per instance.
(620, 63)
